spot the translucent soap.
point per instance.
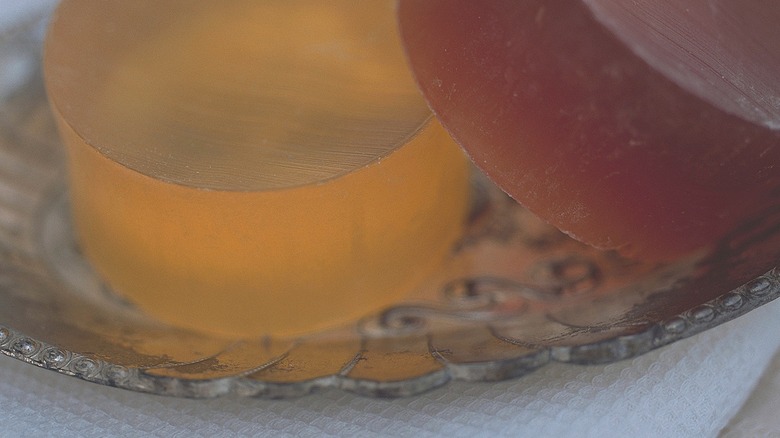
(251, 167)
(650, 126)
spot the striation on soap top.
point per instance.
(238, 104)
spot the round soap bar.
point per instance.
(650, 126)
(251, 167)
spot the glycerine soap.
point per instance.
(248, 167)
(651, 126)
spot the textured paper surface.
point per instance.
(758, 416)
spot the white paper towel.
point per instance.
(689, 389)
(758, 416)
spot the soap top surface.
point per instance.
(198, 94)
(726, 52)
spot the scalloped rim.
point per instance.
(725, 308)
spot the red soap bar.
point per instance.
(651, 126)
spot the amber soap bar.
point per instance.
(650, 126)
(251, 167)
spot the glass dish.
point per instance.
(516, 295)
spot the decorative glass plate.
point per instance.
(515, 295)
